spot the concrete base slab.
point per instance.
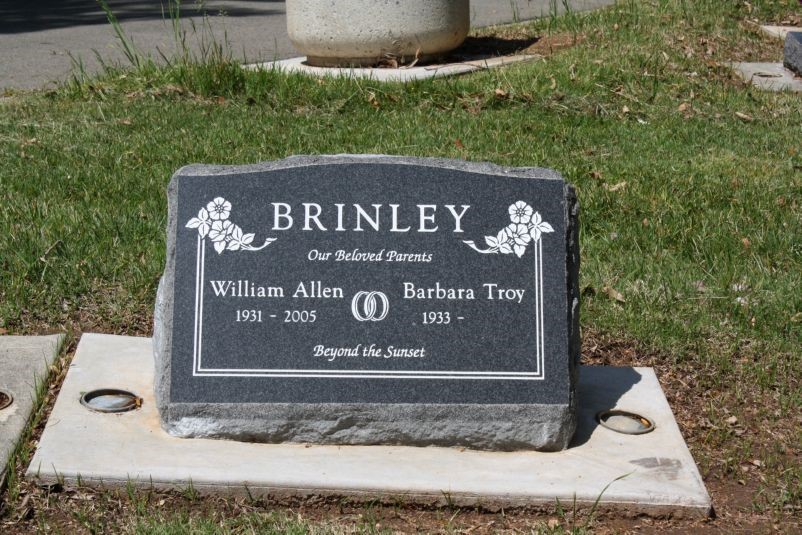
(779, 32)
(768, 76)
(652, 473)
(402, 74)
(24, 363)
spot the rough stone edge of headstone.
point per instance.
(573, 305)
(792, 52)
(204, 420)
(49, 357)
(163, 312)
(305, 161)
(486, 427)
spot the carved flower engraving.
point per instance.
(526, 226)
(213, 221)
(538, 226)
(219, 208)
(520, 212)
(202, 222)
(520, 237)
(221, 230)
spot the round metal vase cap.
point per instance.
(110, 400)
(6, 399)
(625, 422)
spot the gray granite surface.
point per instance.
(792, 55)
(261, 382)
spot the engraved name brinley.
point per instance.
(214, 222)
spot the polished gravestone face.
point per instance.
(370, 300)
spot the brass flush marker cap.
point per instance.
(110, 400)
(625, 422)
(6, 399)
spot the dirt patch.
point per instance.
(742, 441)
(494, 45)
(789, 19)
(551, 44)
(518, 43)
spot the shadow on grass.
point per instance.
(489, 47)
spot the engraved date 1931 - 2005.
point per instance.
(289, 316)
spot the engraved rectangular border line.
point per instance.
(199, 371)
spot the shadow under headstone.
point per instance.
(604, 388)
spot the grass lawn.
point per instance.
(690, 183)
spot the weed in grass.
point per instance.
(571, 522)
(516, 14)
(190, 492)
(138, 498)
(449, 499)
(562, 14)
(207, 68)
(251, 499)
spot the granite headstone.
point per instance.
(370, 300)
(792, 56)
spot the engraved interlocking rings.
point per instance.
(370, 306)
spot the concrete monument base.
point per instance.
(650, 473)
(398, 74)
(779, 32)
(769, 76)
(363, 32)
(24, 363)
